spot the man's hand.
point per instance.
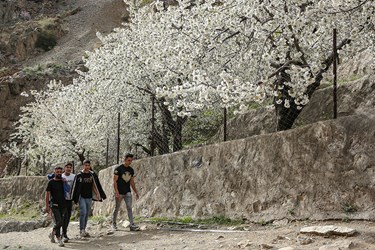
(117, 196)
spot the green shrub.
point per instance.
(186, 219)
(98, 219)
(215, 220)
(349, 208)
(46, 40)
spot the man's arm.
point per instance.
(75, 189)
(117, 194)
(95, 188)
(132, 184)
(48, 195)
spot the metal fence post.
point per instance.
(225, 124)
(106, 154)
(334, 75)
(152, 146)
(118, 138)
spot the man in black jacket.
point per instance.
(55, 203)
(86, 188)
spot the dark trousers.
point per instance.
(66, 220)
(58, 217)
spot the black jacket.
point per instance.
(77, 185)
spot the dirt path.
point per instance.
(153, 237)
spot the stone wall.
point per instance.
(27, 187)
(16, 191)
(325, 170)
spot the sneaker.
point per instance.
(60, 242)
(65, 239)
(134, 227)
(51, 236)
(83, 233)
(114, 227)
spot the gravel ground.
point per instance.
(165, 237)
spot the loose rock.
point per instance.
(329, 230)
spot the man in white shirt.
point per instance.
(68, 178)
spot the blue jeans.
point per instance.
(128, 202)
(84, 211)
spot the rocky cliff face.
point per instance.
(23, 81)
(13, 11)
(11, 100)
(23, 25)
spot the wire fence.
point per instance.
(171, 133)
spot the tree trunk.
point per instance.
(177, 134)
(162, 141)
(287, 116)
(81, 156)
(174, 126)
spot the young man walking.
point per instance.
(123, 179)
(68, 178)
(86, 188)
(55, 203)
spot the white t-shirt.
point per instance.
(69, 180)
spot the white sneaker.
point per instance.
(65, 239)
(60, 242)
(114, 227)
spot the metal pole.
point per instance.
(225, 124)
(153, 126)
(106, 155)
(334, 75)
(44, 165)
(118, 138)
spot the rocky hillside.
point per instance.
(41, 32)
(42, 40)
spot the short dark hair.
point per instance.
(128, 155)
(58, 168)
(68, 164)
(86, 162)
